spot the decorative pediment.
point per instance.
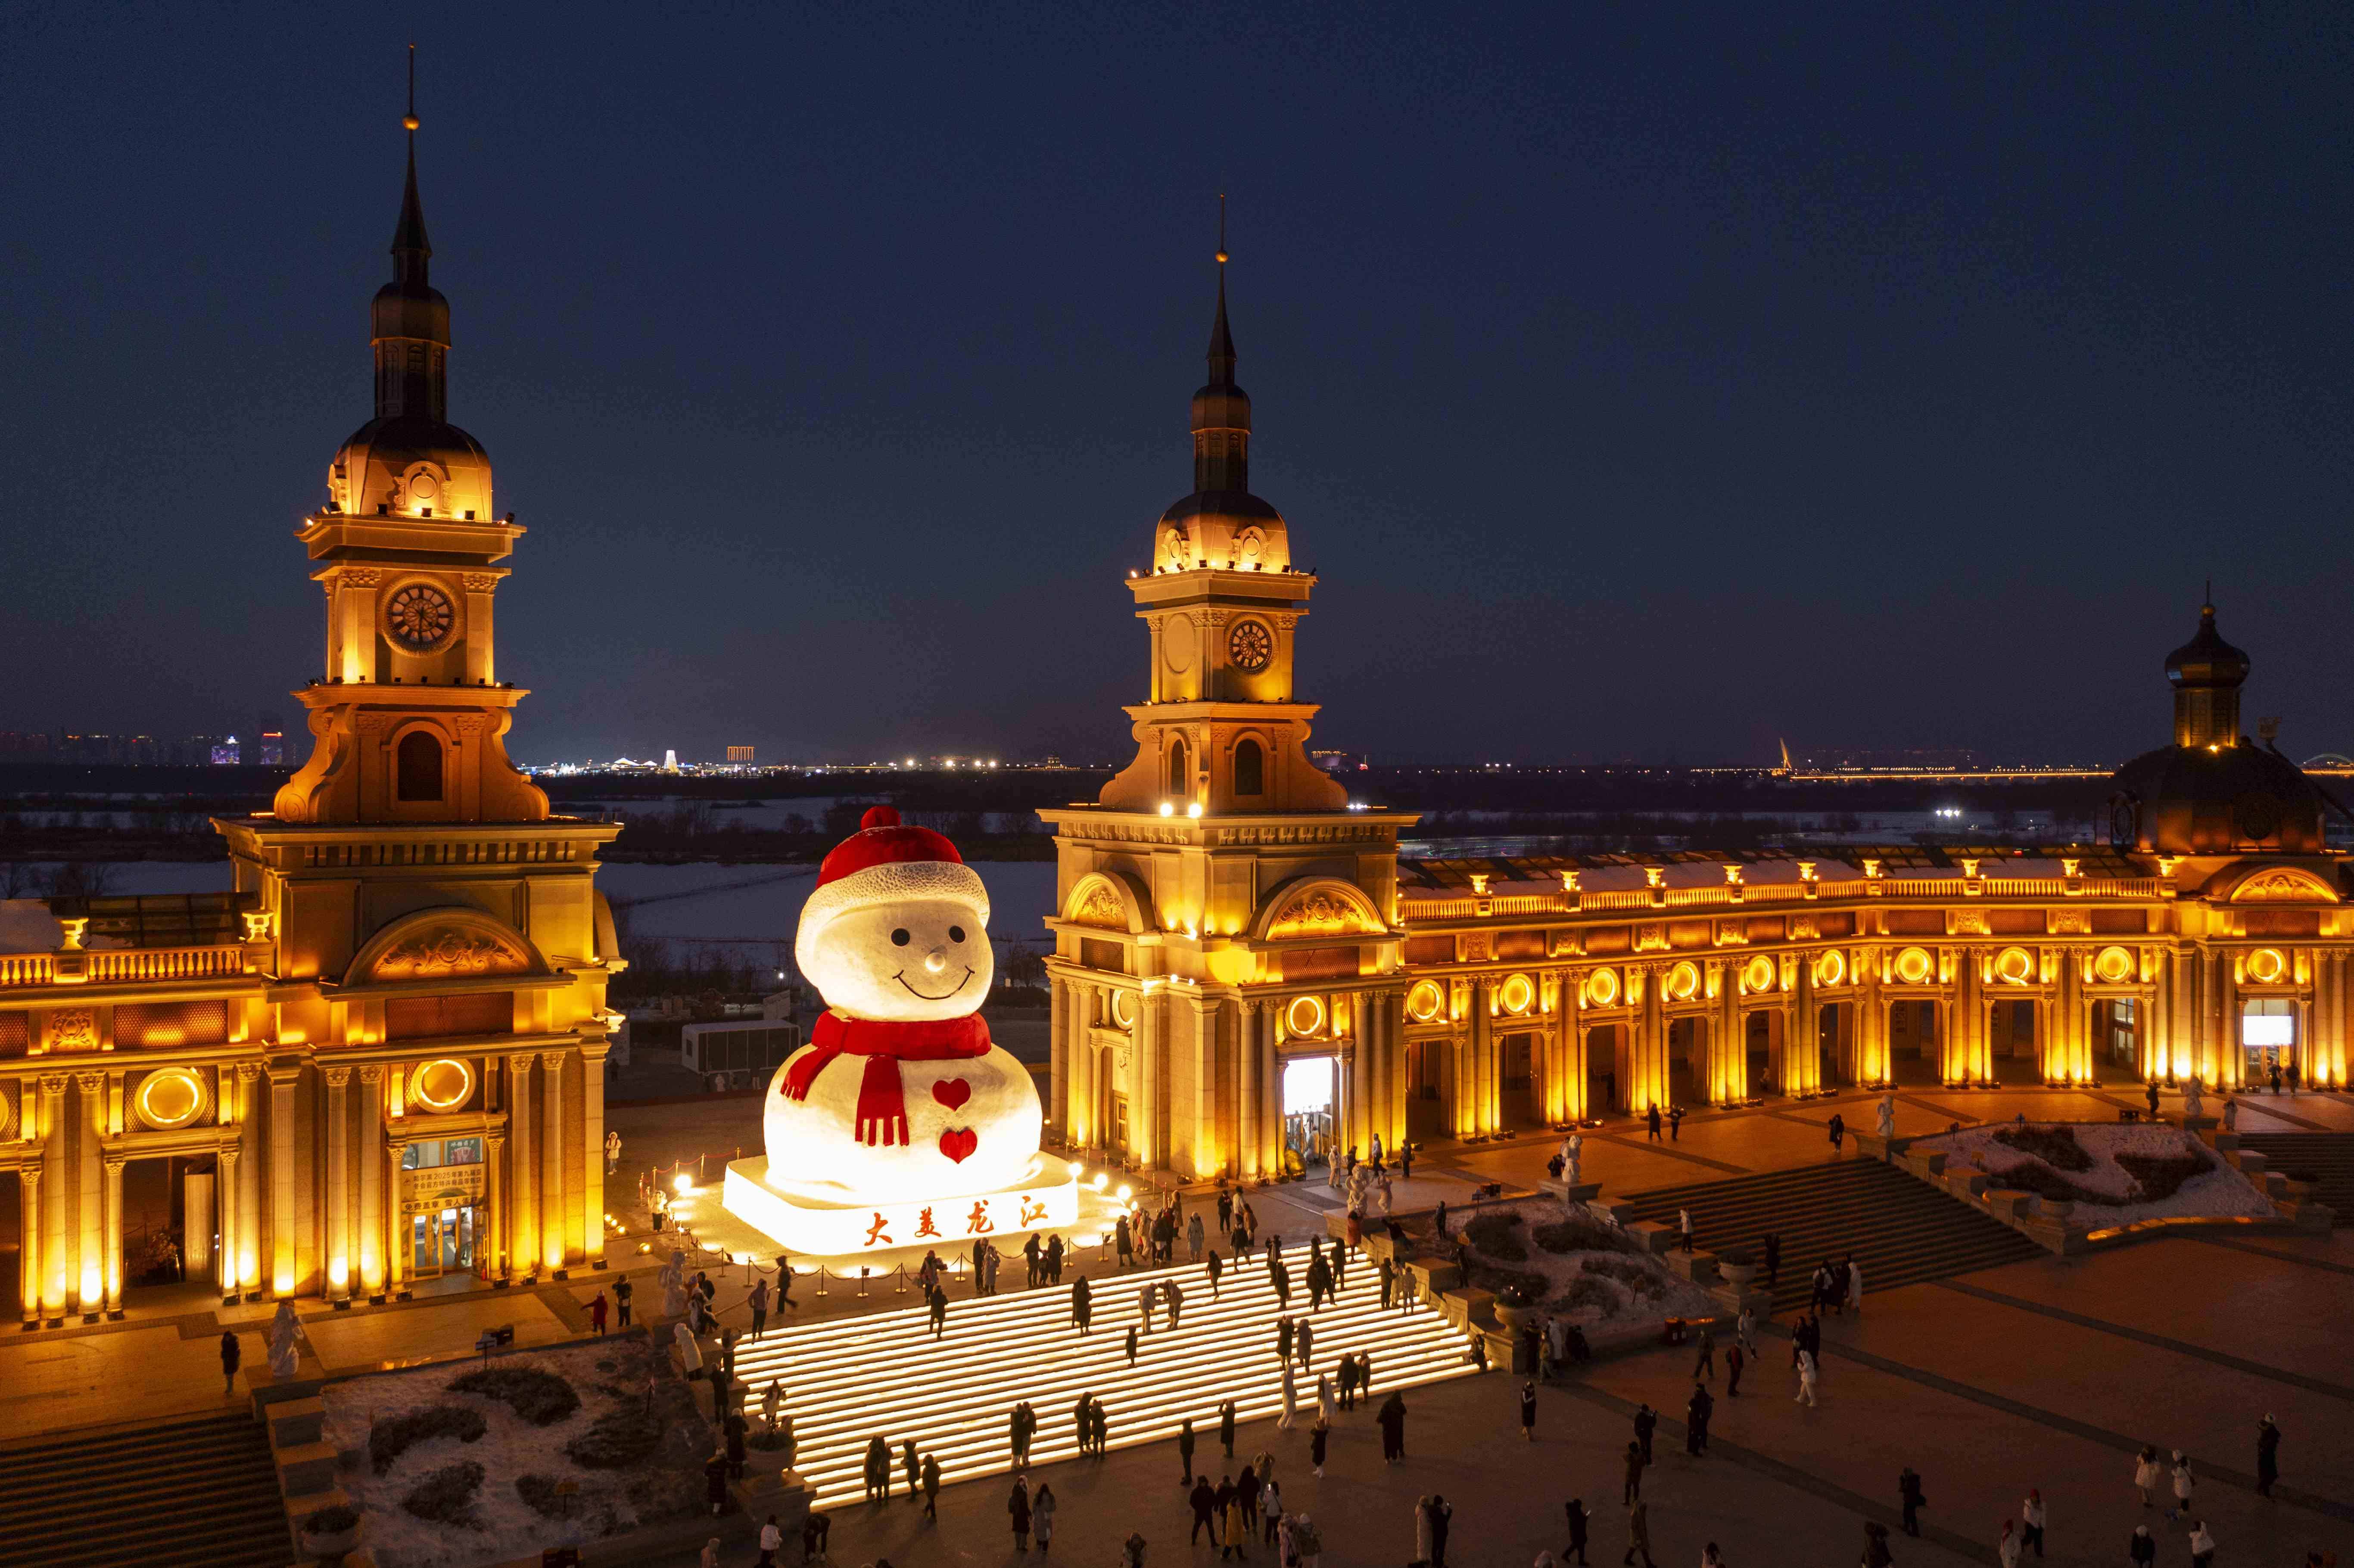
(1108, 901)
(2283, 884)
(1318, 907)
(444, 944)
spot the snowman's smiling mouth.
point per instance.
(902, 977)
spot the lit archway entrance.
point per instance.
(2267, 1037)
(1425, 1090)
(1687, 1048)
(1913, 1042)
(1602, 1074)
(1311, 1098)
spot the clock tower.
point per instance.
(1224, 912)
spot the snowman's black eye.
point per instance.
(956, 933)
(899, 938)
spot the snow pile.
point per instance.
(501, 1525)
(1593, 1286)
(2106, 1191)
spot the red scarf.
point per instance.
(882, 1105)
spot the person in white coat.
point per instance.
(1807, 1375)
(2148, 1476)
(2183, 1486)
(1854, 1285)
(1291, 1400)
(1324, 1406)
(2202, 1544)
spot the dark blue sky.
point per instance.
(1642, 385)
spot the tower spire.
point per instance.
(411, 320)
(1221, 410)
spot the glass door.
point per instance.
(425, 1246)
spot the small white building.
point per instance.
(737, 1054)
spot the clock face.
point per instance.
(1250, 645)
(419, 617)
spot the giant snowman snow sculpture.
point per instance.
(898, 1124)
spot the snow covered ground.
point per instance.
(2221, 1192)
(612, 1501)
(1662, 1295)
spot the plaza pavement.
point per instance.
(2040, 1374)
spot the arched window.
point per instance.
(1250, 768)
(1181, 777)
(417, 768)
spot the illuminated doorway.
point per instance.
(1311, 1093)
(1601, 1070)
(441, 1241)
(1426, 1089)
(2267, 1037)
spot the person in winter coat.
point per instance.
(1042, 1517)
(1391, 1418)
(1634, 1487)
(2006, 1549)
(1529, 1412)
(1194, 1237)
(1247, 1494)
(932, 1488)
(1696, 1417)
(1226, 1427)
(1578, 1518)
(1017, 1510)
(1875, 1545)
(1204, 1501)
(1237, 1528)
(1186, 1450)
(714, 1482)
(1647, 1421)
(1082, 1304)
(911, 1464)
(2031, 1521)
(597, 1310)
(1808, 1376)
(2147, 1475)
(1325, 1408)
(1442, 1515)
(1908, 1492)
(2142, 1549)
(232, 1357)
(2183, 1486)
(878, 1470)
(2202, 1544)
(2267, 1456)
(1291, 1401)
(1639, 1533)
(1317, 1436)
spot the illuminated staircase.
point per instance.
(852, 1379)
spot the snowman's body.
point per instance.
(972, 1126)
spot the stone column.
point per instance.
(373, 1230)
(1729, 1062)
(494, 1205)
(1086, 1086)
(90, 1194)
(30, 1266)
(1393, 1066)
(1800, 1071)
(1270, 1075)
(282, 1081)
(251, 1155)
(1485, 1087)
(1365, 1032)
(396, 1260)
(112, 1268)
(1058, 1057)
(1575, 1105)
(1650, 1083)
(2229, 1056)
(1872, 1042)
(341, 1267)
(225, 1194)
(522, 1230)
(1248, 1131)
(57, 1225)
(554, 1241)
(592, 1144)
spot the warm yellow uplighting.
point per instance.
(1194, 809)
(1077, 1170)
(1102, 1180)
(1125, 1193)
(683, 1185)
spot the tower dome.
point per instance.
(1221, 524)
(2213, 791)
(410, 461)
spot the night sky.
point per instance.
(1642, 386)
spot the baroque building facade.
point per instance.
(1224, 911)
(378, 1057)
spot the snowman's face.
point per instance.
(926, 959)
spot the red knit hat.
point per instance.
(883, 864)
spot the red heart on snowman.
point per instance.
(952, 1091)
(959, 1141)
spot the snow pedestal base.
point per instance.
(821, 1220)
(779, 1492)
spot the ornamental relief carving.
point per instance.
(478, 582)
(74, 1029)
(2070, 923)
(1101, 907)
(1321, 914)
(1804, 928)
(1965, 922)
(2281, 884)
(1651, 938)
(429, 955)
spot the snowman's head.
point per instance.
(898, 926)
(917, 960)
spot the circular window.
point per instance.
(1914, 966)
(1830, 969)
(1425, 1000)
(2115, 965)
(442, 1085)
(1758, 975)
(1123, 1009)
(1518, 993)
(2015, 965)
(2258, 815)
(1250, 645)
(419, 617)
(1305, 1015)
(1602, 987)
(1683, 982)
(2265, 965)
(172, 1097)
